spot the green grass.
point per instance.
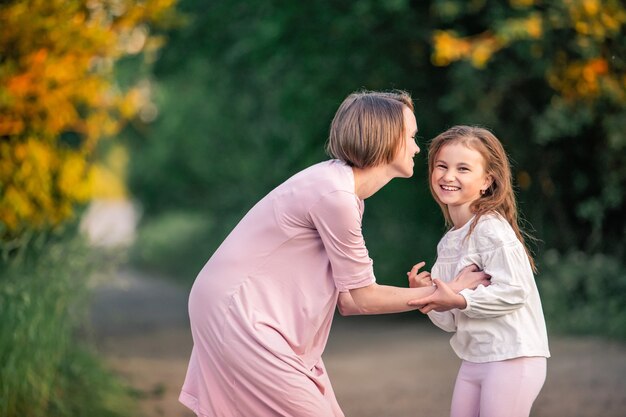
(45, 370)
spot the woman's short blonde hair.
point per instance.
(368, 128)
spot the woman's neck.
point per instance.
(367, 181)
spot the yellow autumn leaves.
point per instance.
(58, 98)
(593, 24)
(40, 183)
(449, 47)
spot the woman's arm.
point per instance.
(444, 319)
(346, 305)
(446, 297)
(381, 299)
(443, 299)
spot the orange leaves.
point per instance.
(579, 34)
(597, 25)
(56, 79)
(478, 49)
(28, 194)
(449, 48)
(597, 19)
(587, 80)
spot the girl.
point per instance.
(500, 333)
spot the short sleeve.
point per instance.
(337, 218)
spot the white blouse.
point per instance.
(503, 320)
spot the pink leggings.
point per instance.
(496, 389)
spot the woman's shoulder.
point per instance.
(319, 179)
(330, 187)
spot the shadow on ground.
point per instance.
(380, 366)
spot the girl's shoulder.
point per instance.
(493, 231)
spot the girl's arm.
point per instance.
(511, 283)
(506, 293)
(503, 257)
(444, 320)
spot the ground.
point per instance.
(380, 366)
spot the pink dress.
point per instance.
(262, 306)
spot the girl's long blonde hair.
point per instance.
(499, 197)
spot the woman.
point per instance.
(262, 306)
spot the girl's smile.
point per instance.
(458, 177)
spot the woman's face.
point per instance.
(402, 164)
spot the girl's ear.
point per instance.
(488, 182)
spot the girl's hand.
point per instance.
(422, 279)
(443, 299)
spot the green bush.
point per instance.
(584, 294)
(45, 371)
(174, 244)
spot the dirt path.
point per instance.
(379, 367)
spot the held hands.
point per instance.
(443, 299)
(446, 296)
(469, 277)
(422, 279)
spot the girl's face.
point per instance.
(458, 176)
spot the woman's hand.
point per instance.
(422, 279)
(469, 277)
(443, 299)
(446, 296)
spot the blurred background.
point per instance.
(135, 134)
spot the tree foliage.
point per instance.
(58, 98)
(247, 92)
(550, 78)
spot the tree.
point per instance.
(550, 78)
(247, 92)
(59, 98)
